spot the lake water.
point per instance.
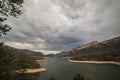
(62, 69)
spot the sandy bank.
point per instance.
(67, 57)
(96, 62)
(32, 70)
(40, 60)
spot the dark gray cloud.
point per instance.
(52, 26)
(63, 43)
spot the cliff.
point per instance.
(93, 47)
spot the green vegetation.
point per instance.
(52, 78)
(78, 77)
(10, 62)
(8, 8)
(100, 56)
(37, 58)
(75, 77)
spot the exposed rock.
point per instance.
(94, 46)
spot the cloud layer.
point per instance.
(52, 26)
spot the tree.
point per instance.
(8, 8)
(78, 77)
(52, 78)
(1, 44)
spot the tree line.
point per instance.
(100, 56)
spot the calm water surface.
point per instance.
(62, 69)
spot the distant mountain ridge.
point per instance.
(22, 51)
(49, 55)
(93, 47)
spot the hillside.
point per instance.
(23, 51)
(94, 47)
(11, 61)
(98, 56)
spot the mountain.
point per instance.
(50, 55)
(94, 47)
(22, 51)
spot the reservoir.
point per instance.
(62, 69)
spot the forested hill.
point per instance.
(94, 47)
(23, 51)
(12, 59)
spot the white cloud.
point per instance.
(19, 45)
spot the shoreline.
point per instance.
(36, 70)
(67, 57)
(40, 60)
(96, 62)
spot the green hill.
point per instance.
(10, 62)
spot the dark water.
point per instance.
(62, 69)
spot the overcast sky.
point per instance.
(52, 26)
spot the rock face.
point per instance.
(92, 47)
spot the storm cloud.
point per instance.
(52, 26)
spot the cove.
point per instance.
(62, 69)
